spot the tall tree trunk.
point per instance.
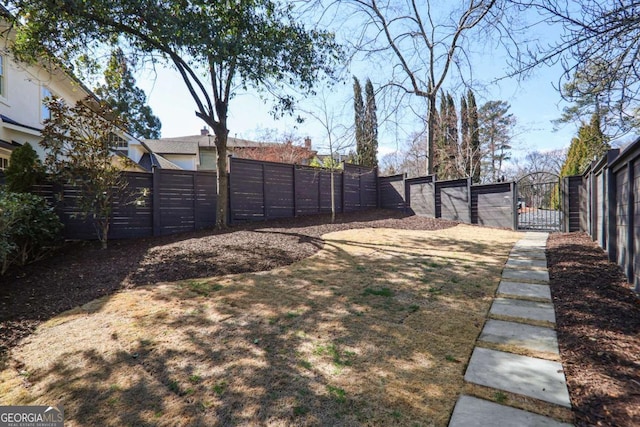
(222, 204)
(431, 125)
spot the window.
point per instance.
(46, 94)
(4, 163)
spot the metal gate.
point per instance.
(539, 202)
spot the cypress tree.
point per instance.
(359, 118)
(474, 136)
(464, 136)
(370, 128)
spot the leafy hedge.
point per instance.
(28, 228)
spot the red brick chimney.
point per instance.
(204, 131)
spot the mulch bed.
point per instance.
(598, 324)
(82, 272)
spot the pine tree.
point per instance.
(126, 99)
(370, 128)
(359, 111)
(474, 137)
(495, 131)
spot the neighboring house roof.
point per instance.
(167, 144)
(150, 160)
(172, 146)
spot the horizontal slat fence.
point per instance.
(605, 202)
(265, 190)
(489, 204)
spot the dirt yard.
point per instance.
(375, 329)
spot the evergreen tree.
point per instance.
(358, 106)
(370, 128)
(496, 126)
(25, 169)
(126, 99)
(587, 146)
(474, 137)
(465, 152)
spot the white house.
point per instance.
(23, 87)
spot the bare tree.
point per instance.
(598, 50)
(423, 43)
(338, 138)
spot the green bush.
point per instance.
(28, 228)
(24, 170)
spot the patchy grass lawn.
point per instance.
(375, 329)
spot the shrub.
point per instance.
(28, 228)
(24, 169)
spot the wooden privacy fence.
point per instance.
(169, 201)
(488, 204)
(605, 203)
(264, 190)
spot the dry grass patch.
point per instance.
(376, 329)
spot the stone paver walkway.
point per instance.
(523, 316)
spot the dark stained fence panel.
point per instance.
(133, 211)
(600, 209)
(585, 205)
(206, 193)
(636, 225)
(307, 185)
(392, 192)
(575, 185)
(279, 191)
(454, 200)
(325, 191)
(246, 188)
(492, 205)
(622, 220)
(421, 197)
(177, 201)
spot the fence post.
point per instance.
(295, 199)
(564, 202)
(376, 179)
(630, 222)
(514, 204)
(157, 223)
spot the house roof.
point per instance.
(149, 160)
(9, 120)
(188, 144)
(172, 146)
(9, 145)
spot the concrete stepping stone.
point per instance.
(526, 275)
(531, 310)
(528, 254)
(529, 337)
(529, 376)
(473, 412)
(528, 290)
(527, 263)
